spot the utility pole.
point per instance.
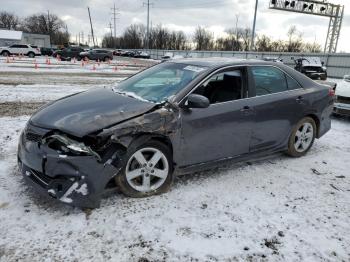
(252, 44)
(48, 22)
(115, 13)
(110, 27)
(148, 4)
(92, 30)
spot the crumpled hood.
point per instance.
(89, 111)
(343, 89)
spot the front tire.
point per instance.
(5, 53)
(302, 137)
(147, 171)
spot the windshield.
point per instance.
(159, 82)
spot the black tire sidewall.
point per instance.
(291, 149)
(122, 182)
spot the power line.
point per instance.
(202, 4)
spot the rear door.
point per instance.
(224, 128)
(279, 103)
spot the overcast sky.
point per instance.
(184, 15)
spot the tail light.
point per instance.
(331, 92)
(38, 49)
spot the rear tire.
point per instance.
(31, 55)
(302, 137)
(147, 171)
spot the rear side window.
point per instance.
(292, 83)
(269, 80)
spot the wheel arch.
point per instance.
(5, 51)
(317, 122)
(145, 137)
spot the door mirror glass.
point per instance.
(197, 101)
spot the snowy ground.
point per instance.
(277, 209)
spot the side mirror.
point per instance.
(322, 63)
(197, 101)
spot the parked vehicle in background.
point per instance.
(342, 103)
(170, 56)
(17, 49)
(273, 59)
(46, 51)
(117, 52)
(177, 117)
(142, 54)
(97, 54)
(311, 67)
(69, 52)
(128, 53)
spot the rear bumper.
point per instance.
(75, 180)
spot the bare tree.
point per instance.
(203, 38)
(8, 21)
(162, 37)
(134, 36)
(295, 41)
(312, 48)
(47, 24)
(263, 44)
(246, 35)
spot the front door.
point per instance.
(224, 128)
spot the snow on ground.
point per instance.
(9, 93)
(277, 209)
(274, 209)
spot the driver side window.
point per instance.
(222, 87)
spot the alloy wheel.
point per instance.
(303, 137)
(147, 169)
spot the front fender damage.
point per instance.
(84, 168)
(162, 121)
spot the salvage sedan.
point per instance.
(174, 118)
(342, 103)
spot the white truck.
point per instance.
(17, 49)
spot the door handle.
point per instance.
(300, 99)
(246, 110)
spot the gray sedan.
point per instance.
(174, 118)
(97, 55)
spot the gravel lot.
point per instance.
(276, 209)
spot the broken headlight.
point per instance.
(65, 145)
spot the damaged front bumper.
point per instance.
(76, 180)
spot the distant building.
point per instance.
(9, 37)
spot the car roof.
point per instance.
(212, 62)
